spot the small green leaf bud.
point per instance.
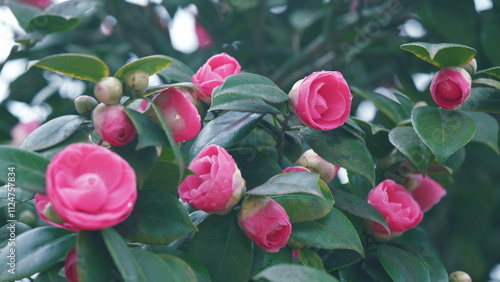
(136, 82)
(85, 104)
(51, 214)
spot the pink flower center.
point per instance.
(88, 194)
(449, 90)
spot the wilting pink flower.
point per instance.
(71, 266)
(41, 202)
(398, 208)
(450, 87)
(315, 163)
(90, 187)
(295, 169)
(179, 113)
(113, 125)
(217, 185)
(424, 190)
(21, 130)
(213, 73)
(322, 100)
(265, 222)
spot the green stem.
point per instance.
(281, 137)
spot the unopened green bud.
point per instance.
(460, 276)
(136, 82)
(108, 90)
(85, 104)
(51, 214)
(471, 66)
(27, 217)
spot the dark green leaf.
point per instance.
(311, 259)
(158, 218)
(81, 134)
(24, 92)
(488, 82)
(23, 12)
(357, 206)
(225, 130)
(495, 71)
(47, 23)
(402, 265)
(334, 231)
(245, 105)
(20, 195)
(341, 149)
(486, 130)
(482, 99)
(52, 132)
(164, 177)
(162, 267)
(441, 55)
(302, 194)
(93, 258)
(75, 65)
(51, 275)
(338, 259)
(36, 251)
(29, 168)
(177, 71)
(443, 131)
(256, 167)
(293, 272)
(142, 161)
(396, 111)
(223, 248)
(149, 133)
(16, 228)
(406, 140)
(150, 64)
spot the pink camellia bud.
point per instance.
(90, 187)
(108, 90)
(84, 104)
(20, 131)
(42, 4)
(310, 160)
(217, 185)
(71, 266)
(322, 100)
(213, 73)
(45, 211)
(178, 112)
(113, 125)
(397, 206)
(424, 190)
(450, 87)
(265, 222)
(295, 169)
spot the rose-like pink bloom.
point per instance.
(424, 190)
(178, 112)
(113, 125)
(322, 100)
(71, 266)
(397, 206)
(90, 187)
(41, 202)
(42, 4)
(450, 87)
(315, 163)
(217, 186)
(295, 169)
(213, 73)
(265, 222)
(20, 131)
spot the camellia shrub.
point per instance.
(219, 174)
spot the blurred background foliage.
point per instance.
(286, 40)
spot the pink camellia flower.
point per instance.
(90, 187)
(21, 130)
(397, 206)
(265, 222)
(113, 125)
(424, 190)
(315, 163)
(42, 4)
(71, 266)
(295, 169)
(450, 87)
(217, 186)
(213, 73)
(322, 100)
(179, 113)
(43, 210)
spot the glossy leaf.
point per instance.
(396, 111)
(406, 140)
(402, 265)
(36, 251)
(334, 231)
(47, 23)
(302, 194)
(79, 66)
(162, 266)
(29, 168)
(51, 275)
(52, 132)
(158, 218)
(177, 71)
(486, 130)
(149, 64)
(81, 134)
(225, 130)
(341, 149)
(142, 161)
(93, 258)
(494, 71)
(338, 259)
(198, 268)
(149, 133)
(7, 230)
(164, 177)
(223, 248)
(357, 206)
(256, 167)
(20, 195)
(488, 82)
(311, 259)
(443, 131)
(23, 12)
(292, 272)
(442, 54)
(482, 99)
